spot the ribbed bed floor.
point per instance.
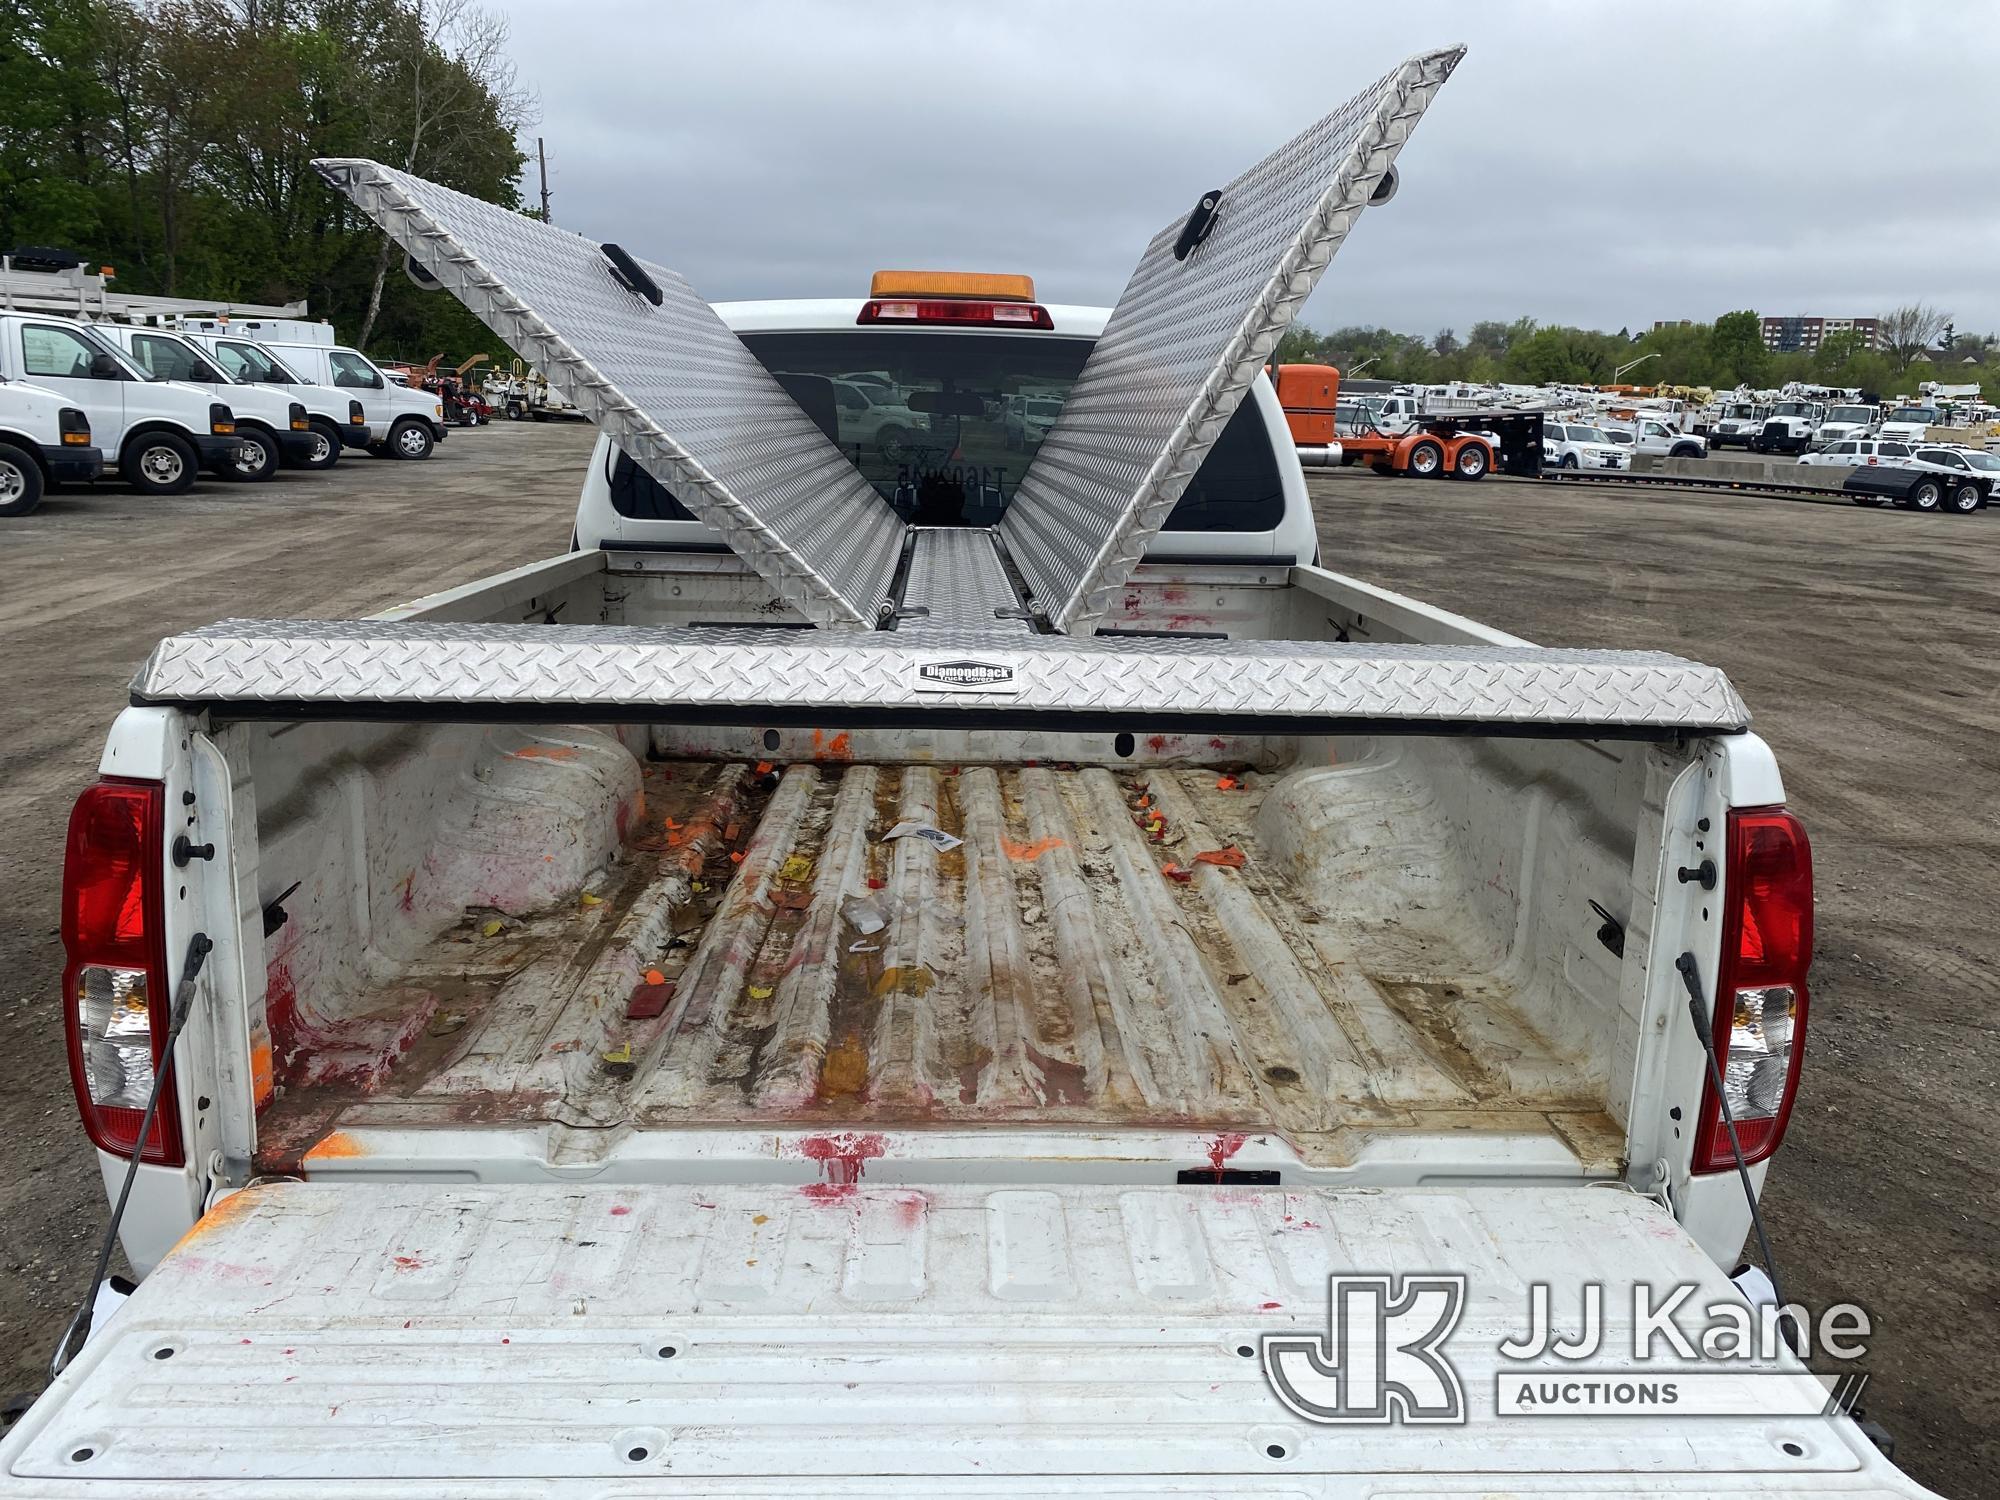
(1052, 967)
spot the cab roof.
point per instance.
(834, 314)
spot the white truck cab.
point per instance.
(275, 429)
(1845, 421)
(160, 433)
(44, 441)
(1909, 423)
(1790, 426)
(1737, 425)
(959, 467)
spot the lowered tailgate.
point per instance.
(552, 1340)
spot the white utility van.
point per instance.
(338, 418)
(160, 433)
(44, 441)
(401, 423)
(275, 428)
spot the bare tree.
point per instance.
(1905, 332)
(447, 77)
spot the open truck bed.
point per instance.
(1212, 949)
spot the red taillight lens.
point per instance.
(955, 310)
(1760, 1008)
(115, 999)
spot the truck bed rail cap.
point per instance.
(299, 667)
(1191, 331)
(670, 383)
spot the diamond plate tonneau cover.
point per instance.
(1187, 339)
(670, 384)
(813, 1338)
(291, 665)
(958, 582)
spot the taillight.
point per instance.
(299, 420)
(955, 310)
(221, 420)
(1760, 1007)
(355, 415)
(74, 427)
(116, 1003)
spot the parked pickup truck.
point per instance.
(803, 990)
(43, 442)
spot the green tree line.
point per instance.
(1723, 355)
(173, 141)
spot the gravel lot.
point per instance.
(1866, 643)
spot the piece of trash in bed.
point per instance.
(936, 837)
(1230, 858)
(866, 913)
(649, 998)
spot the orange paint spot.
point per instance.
(1029, 851)
(226, 1211)
(1227, 784)
(736, 856)
(261, 1076)
(543, 752)
(337, 1145)
(763, 768)
(654, 976)
(840, 747)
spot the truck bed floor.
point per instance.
(761, 953)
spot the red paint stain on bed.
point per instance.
(1223, 1147)
(841, 1156)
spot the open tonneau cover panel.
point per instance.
(1191, 330)
(666, 379)
(824, 1338)
(388, 668)
(632, 346)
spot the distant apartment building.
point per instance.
(1659, 323)
(1787, 335)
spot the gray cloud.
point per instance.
(1599, 165)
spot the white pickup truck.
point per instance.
(924, 973)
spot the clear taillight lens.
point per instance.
(114, 1021)
(1760, 1009)
(115, 1002)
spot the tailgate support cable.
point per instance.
(199, 947)
(1698, 1011)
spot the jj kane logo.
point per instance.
(1382, 1358)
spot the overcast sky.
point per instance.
(1602, 165)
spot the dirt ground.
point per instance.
(1867, 644)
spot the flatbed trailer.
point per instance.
(1872, 491)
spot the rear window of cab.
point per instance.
(944, 426)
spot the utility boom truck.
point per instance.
(919, 972)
